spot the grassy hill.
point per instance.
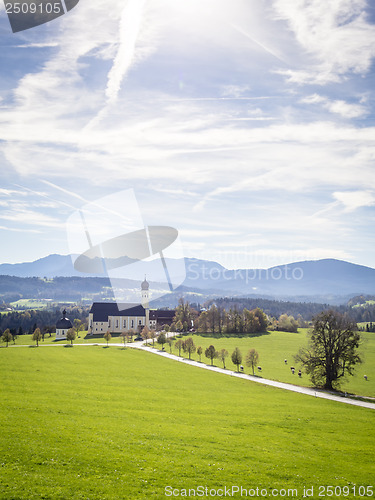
(97, 423)
(275, 347)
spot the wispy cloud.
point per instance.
(338, 36)
(130, 24)
(225, 132)
(340, 107)
(19, 230)
(355, 199)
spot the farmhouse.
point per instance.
(105, 316)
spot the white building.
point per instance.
(106, 316)
(62, 327)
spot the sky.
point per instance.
(247, 125)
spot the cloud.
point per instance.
(174, 102)
(337, 38)
(29, 217)
(353, 200)
(340, 107)
(21, 230)
(130, 24)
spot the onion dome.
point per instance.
(145, 285)
(64, 323)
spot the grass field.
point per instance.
(24, 304)
(273, 348)
(97, 423)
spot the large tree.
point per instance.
(332, 349)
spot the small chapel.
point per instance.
(62, 326)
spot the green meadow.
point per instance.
(273, 349)
(103, 423)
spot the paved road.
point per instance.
(281, 385)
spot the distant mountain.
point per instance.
(49, 267)
(327, 280)
(327, 277)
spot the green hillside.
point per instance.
(275, 347)
(112, 423)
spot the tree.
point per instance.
(331, 351)
(145, 333)
(237, 358)
(252, 358)
(179, 326)
(287, 324)
(203, 322)
(37, 336)
(107, 336)
(170, 343)
(7, 336)
(71, 335)
(189, 346)
(79, 326)
(178, 345)
(223, 354)
(153, 336)
(184, 314)
(199, 352)
(162, 339)
(211, 353)
(125, 337)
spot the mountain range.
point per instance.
(328, 280)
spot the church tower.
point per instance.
(145, 298)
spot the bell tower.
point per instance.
(145, 298)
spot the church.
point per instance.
(106, 316)
(62, 326)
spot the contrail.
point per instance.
(130, 24)
(244, 33)
(79, 197)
